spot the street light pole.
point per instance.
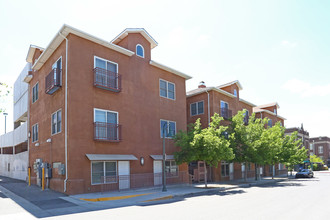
(164, 158)
(5, 114)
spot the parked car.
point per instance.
(305, 173)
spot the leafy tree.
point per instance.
(208, 144)
(315, 159)
(292, 153)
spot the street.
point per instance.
(292, 199)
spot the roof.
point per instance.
(160, 157)
(257, 110)
(31, 51)
(163, 67)
(110, 157)
(201, 90)
(65, 31)
(246, 102)
(231, 83)
(141, 31)
(268, 105)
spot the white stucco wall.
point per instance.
(13, 138)
(21, 93)
(18, 165)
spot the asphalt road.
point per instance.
(293, 199)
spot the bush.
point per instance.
(316, 167)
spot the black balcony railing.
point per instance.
(226, 113)
(107, 132)
(53, 81)
(106, 79)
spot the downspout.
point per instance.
(66, 111)
(208, 107)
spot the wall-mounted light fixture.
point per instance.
(142, 161)
(29, 134)
(49, 140)
(37, 144)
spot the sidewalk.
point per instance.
(50, 203)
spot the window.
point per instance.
(56, 122)
(166, 89)
(235, 92)
(35, 133)
(270, 123)
(197, 108)
(224, 109)
(104, 172)
(168, 127)
(320, 149)
(224, 168)
(171, 168)
(35, 91)
(106, 125)
(275, 111)
(106, 73)
(139, 50)
(57, 67)
(311, 146)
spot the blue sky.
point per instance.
(278, 50)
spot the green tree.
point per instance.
(208, 144)
(292, 152)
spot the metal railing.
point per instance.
(53, 81)
(106, 79)
(107, 131)
(142, 180)
(226, 113)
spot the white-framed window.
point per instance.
(197, 108)
(58, 67)
(270, 123)
(103, 172)
(224, 168)
(311, 146)
(224, 109)
(35, 133)
(168, 127)
(171, 168)
(140, 50)
(106, 125)
(320, 149)
(166, 89)
(235, 92)
(56, 122)
(35, 92)
(106, 73)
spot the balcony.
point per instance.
(226, 113)
(53, 81)
(107, 132)
(106, 79)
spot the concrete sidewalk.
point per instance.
(50, 203)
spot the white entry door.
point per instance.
(231, 171)
(123, 174)
(158, 172)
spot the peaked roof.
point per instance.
(31, 51)
(231, 83)
(269, 105)
(141, 31)
(65, 31)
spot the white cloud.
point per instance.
(305, 89)
(287, 43)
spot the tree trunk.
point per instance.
(273, 171)
(205, 174)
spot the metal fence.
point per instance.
(107, 80)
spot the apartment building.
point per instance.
(225, 100)
(320, 146)
(98, 111)
(14, 144)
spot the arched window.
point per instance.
(235, 92)
(139, 50)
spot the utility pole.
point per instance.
(5, 114)
(164, 158)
